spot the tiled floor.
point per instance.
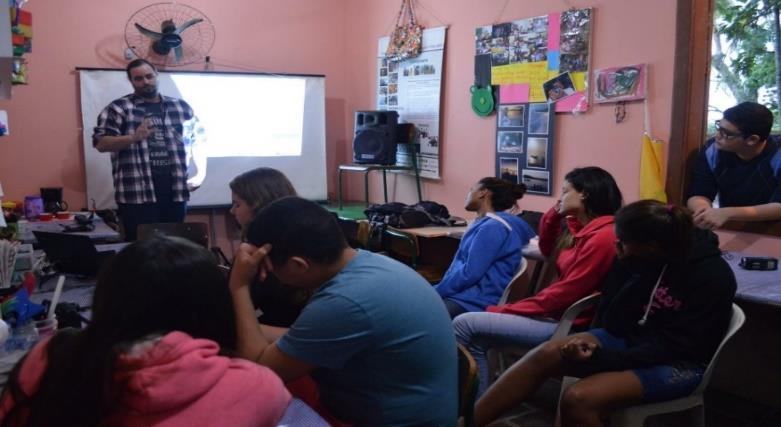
(721, 410)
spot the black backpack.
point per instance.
(399, 215)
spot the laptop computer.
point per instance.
(74, 253)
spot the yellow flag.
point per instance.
(652, 170)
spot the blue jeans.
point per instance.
(479, 332)
(133, 215)
(660, 382)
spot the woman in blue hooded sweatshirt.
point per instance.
(490, 252)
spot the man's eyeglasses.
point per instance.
(724, 133)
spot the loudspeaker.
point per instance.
(375, 137)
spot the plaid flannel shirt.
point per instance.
(130, 166)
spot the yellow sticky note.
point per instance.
(579, 80)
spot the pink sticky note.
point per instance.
(571, 103)
(554, 31)
(514, 94)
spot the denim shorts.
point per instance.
(663, 382)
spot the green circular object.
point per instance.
(482, 100)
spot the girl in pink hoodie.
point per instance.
(154, 353)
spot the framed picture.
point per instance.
(537, 153)
(510, 116)
(509, 142)
(536, 181)
(559, 87)
(539, 117)
(508, 169)
(615, 84)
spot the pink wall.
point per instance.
(44, 149)
(621, 36)
(339, 39)
(625, 32)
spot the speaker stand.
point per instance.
(384, 168)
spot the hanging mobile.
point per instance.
(620, 111)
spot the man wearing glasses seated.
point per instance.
(742, 165)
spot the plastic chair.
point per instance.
(504, 354)
(634, 416)
(467, 385)
(514, 281)
(404, 247)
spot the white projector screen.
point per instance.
(251, 120)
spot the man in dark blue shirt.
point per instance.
(742, 165)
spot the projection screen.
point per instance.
(250, 120)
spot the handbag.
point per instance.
(407, 37)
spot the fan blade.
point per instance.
(188, 24)
(178, 54)
(149, 33)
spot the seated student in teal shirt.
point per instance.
(375, 336)
(490, 252)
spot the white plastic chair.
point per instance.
(562, 330)
(634, 416)
(508, 289)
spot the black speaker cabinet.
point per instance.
(375, 137)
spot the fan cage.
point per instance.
(197, 40)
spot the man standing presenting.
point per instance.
(742, 165)
(149, 137)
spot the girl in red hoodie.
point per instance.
(588, 201)
(153, 353)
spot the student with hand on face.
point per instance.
(375, 336)
(280, 304)
(583, 256)
(156, 352)
(665, 307)
(742, 166)
(490, 252)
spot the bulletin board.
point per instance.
(526, 53)
(524, 145)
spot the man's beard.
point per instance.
(147, 92)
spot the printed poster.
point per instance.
(413, 89)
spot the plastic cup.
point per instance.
(46, 327)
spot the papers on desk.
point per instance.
(8, 252)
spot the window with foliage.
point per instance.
(746, 52)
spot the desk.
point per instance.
(748, 366)
(436, 231)
(530, 251)
(102, 232)
(762, 287)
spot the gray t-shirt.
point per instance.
(384, 345)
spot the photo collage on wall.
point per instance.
(524, 145)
